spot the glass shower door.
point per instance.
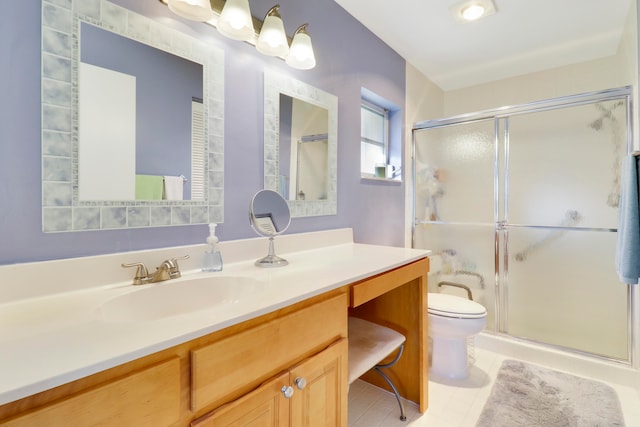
(557, 276)
(454, 207)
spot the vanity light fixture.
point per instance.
(233, 19)
(195, 10)
(273, 39)
(472, 10)
(301, 54)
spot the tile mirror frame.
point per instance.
(62, 211)
(276, 84)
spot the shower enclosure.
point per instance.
(519, 205)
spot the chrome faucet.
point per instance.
(168, 269)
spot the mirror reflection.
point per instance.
(270, 216)
(300, 144)
(156, 102)
(304, 150)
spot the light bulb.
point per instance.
(235, 20)
(236, 24)
(472, 12)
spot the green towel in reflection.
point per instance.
(149, 187)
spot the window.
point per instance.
(374, 139)
(198, 174)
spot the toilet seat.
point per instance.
(452, 306)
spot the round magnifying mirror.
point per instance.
(270, 216)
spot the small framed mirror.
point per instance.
(269, 214)
(301, 144)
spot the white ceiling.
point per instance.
(523, 36)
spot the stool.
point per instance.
(369, 343)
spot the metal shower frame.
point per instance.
(502, 115)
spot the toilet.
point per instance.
(452, 319)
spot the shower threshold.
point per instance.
(561, 358)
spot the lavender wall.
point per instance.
(349, 57)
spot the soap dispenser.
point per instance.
(212, 260)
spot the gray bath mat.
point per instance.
(528, 395)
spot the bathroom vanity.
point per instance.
(276, 352)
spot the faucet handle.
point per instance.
(174, 260)
(171, 268)
(142, 274)
(174, 269)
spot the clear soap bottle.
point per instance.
(212, 260)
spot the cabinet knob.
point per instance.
(300, 382)
(287, 391)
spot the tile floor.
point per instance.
(452, 405)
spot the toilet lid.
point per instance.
(453, 306)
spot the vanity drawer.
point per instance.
(230, 367)
(373, 287)
(150, 397)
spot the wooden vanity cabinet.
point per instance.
(313, 393)
(240, 362)
(147, 397)
(398, 299)
(236, 373)
(309, 345)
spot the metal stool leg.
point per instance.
(386, 378)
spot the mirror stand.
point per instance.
(270, 216)
(271, 260)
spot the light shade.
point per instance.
(235, 20)
(301, 54)
(195, 10)
(273, 40)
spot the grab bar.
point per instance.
(457, 285)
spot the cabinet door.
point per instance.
(320, 383)
(266, 406)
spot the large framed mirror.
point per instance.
(132, 121)
(300, 145)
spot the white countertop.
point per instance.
(53, 339)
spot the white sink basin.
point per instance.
(171, 298)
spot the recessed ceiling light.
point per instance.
(472, 10)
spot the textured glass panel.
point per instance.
(564, 165)
(563, 290)
(462, 254)
(454, 173)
